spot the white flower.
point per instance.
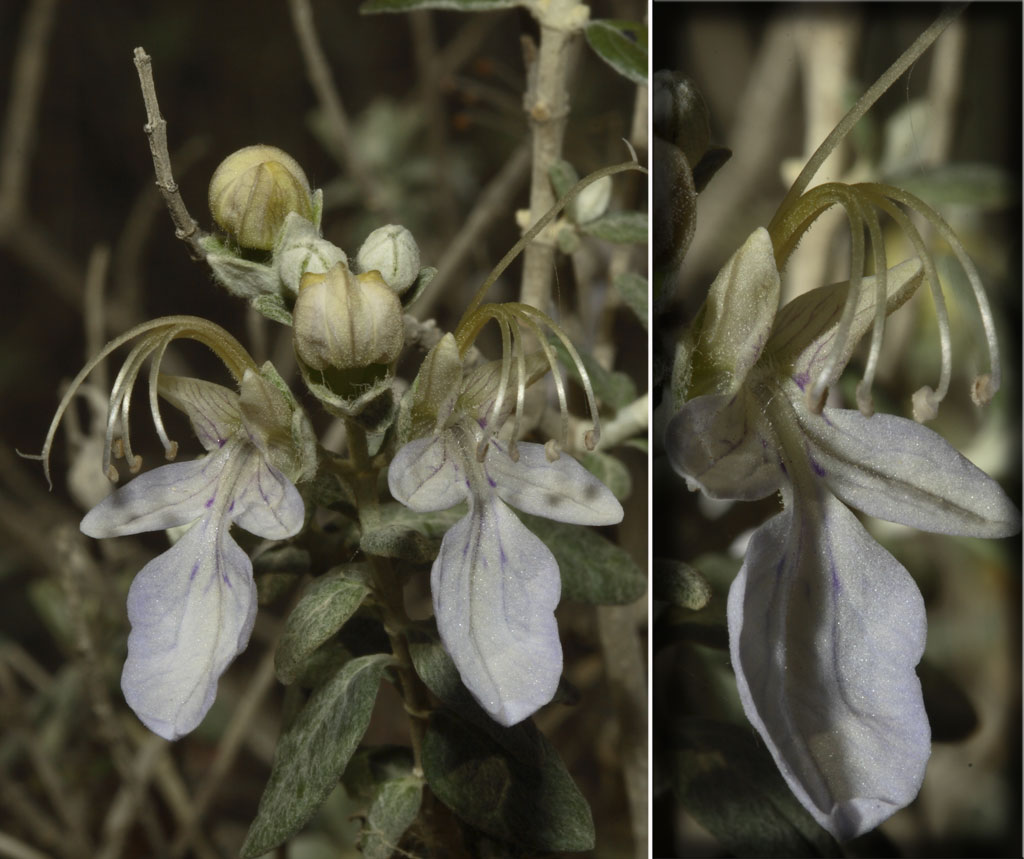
(495, 584)
(825, 626)
(192, 608)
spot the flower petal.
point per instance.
(562, 490)
(495, 588)
(720, 443)
(192, 610)
(825, 628)
(898, 470)
(212, 409)
(427, 474)
(264, 502)
(165, 497)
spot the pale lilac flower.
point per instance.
(825, 626)
(495, 584)
(192, 608)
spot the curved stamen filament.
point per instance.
(170, 447)
(926, 400)
(231, 353)
(864, 402)
(491, 428)
(513, 450)
(592, 436)
(984, 388)
(552, 359)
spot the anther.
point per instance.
(591, 437)
(925, 404)
(982, 389)
(551, 450)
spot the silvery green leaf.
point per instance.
(372, 765)
(313, 753)
(328, 602)
(621, 44)
(729, 783)
(242, 277)
(624, 228)
(273, 307)
(404, 533)
(633, 289)
(610, 386)
(568, 240)
(373, 6)
(563, 176)
(611, 471)
(510, 784)
(392, 811)
(594, 570)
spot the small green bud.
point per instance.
(342, 320)
(253, 191)
(392, 251)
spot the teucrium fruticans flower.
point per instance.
(825, 626)
(192, 608)
(494, 584)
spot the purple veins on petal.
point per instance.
(819, 469)
(209, 501)
(802, 380)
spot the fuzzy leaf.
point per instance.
(509, 783)
(611, 471)
(611, 387)
(273, 307)
(313, 753)
(624, 228)
(594, 570)
(406, 534)
(394, 808)
(323, 609)
(621, 44)
(633, 290)
(563, 176)
(727, 780)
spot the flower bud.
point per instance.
(392, 251)
(342, 320)
(253, 191)
(300, 250)
(592, 201)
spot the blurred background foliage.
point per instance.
(434, 103)
(776, 80)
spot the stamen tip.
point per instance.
(982, 390)
(816, 399)
(136, 464)
(551, 450)
(865, 403)
(926, 405)
(171, 451)
(513, 450)
(591, 438)
(112, 474)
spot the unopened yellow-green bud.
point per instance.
(253, 191)
(342, 320)
(392, 251)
